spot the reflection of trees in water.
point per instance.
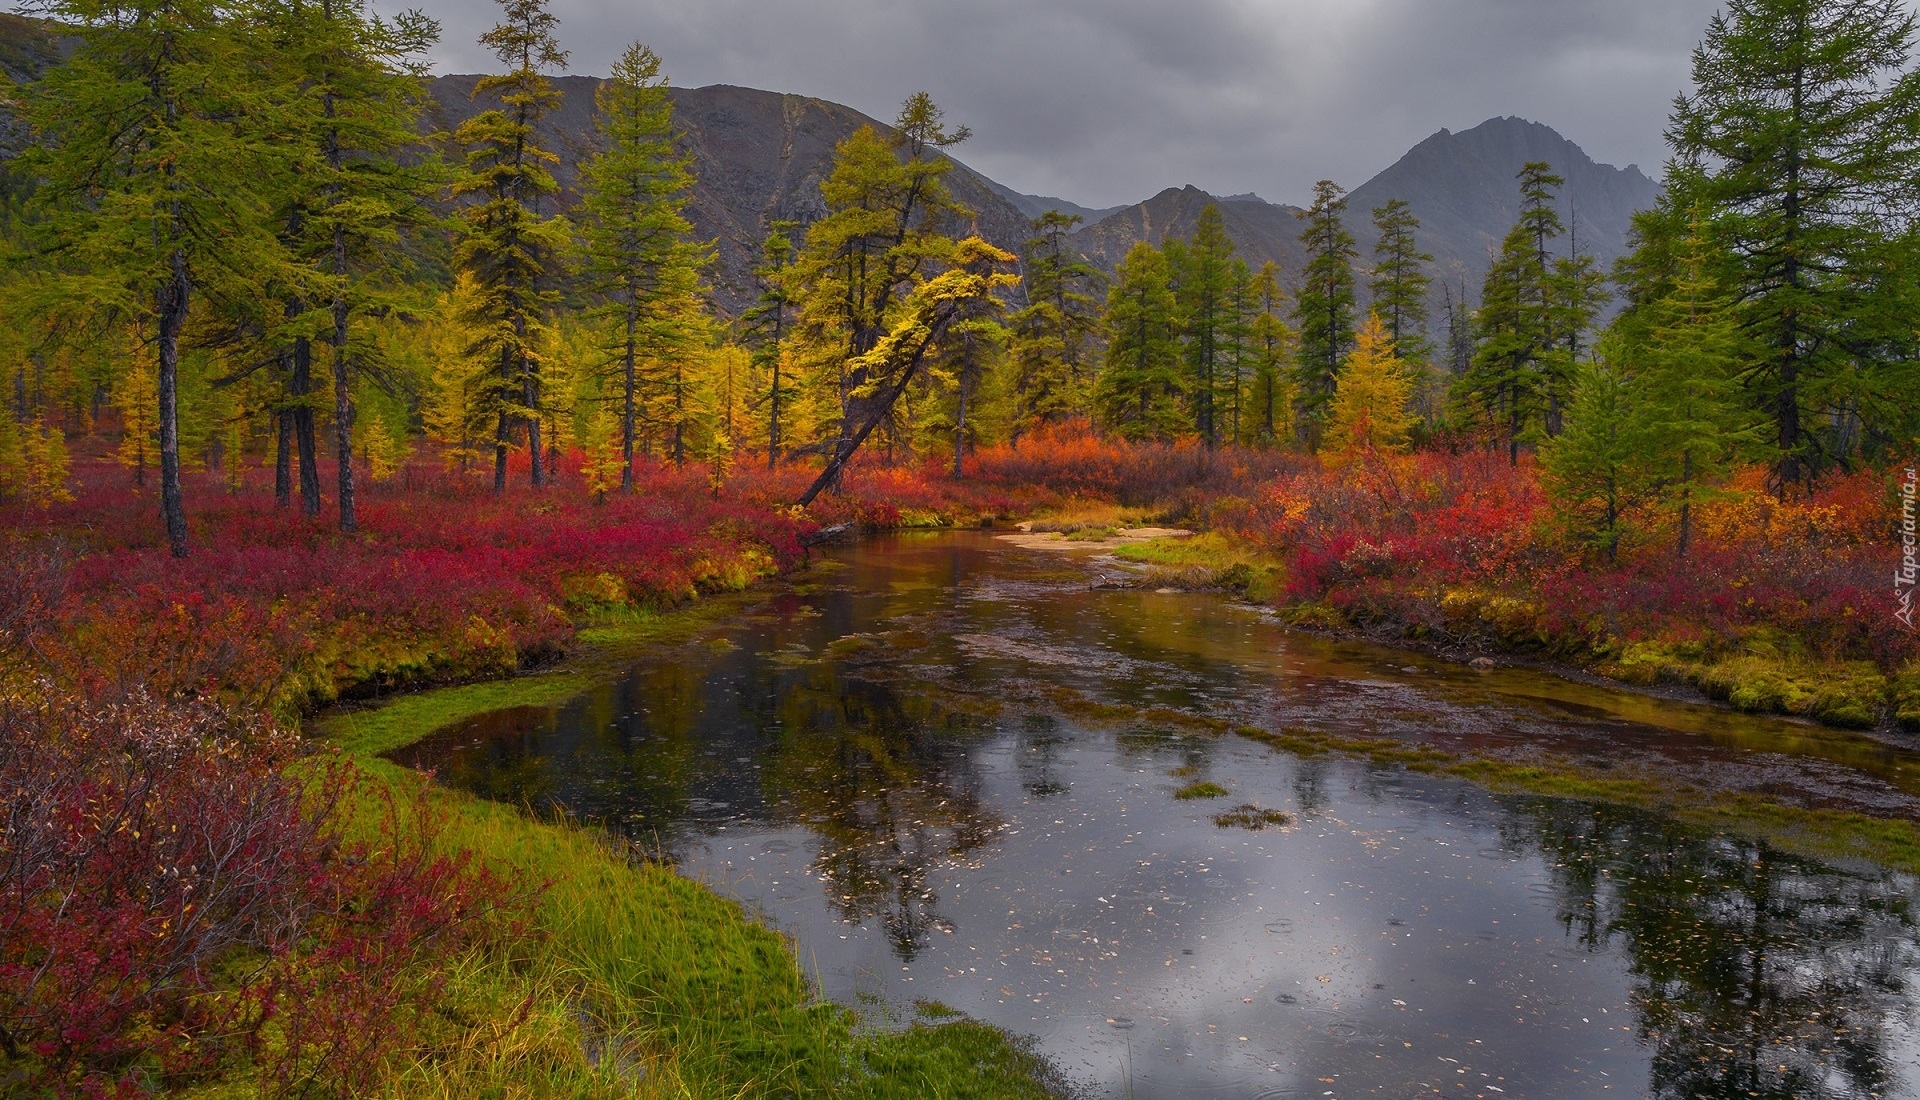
(1755, 973)
(886, 782)
(1039, 748)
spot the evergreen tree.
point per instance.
(510, 248)
(1697, 425)
(1237, 349)
(1138, 394)
(153, 167)
(358, 190)
(1271, 350)
(1801, 142)
(635, 232)
(1598, 471)
(1052, 337)
(1400, 281)
(1370, 412)
(767, 324)
(1202, 278)
(1515, 382)
(1323, 309)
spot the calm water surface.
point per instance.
(885, 762)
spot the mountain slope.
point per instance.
(757, 157)
(1464, 190)
(1462, 187)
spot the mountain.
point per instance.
(1033, 206)
(1261, 231)
(757, 157)
(1462, 187)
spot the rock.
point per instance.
(1481, 663)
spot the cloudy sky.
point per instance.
(1105, 102)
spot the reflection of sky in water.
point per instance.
(1406, 934)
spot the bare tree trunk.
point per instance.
(960, 431)
(172, 308)
(283, 458)
(626, 409)
(342, 396)
(303, 433)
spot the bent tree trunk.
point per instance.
(877, 409)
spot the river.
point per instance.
(948, 769)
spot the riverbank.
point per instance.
(638, 982)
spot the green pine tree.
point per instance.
(1271, 355)
(1800, 144)
(158, 151)
(1599, 471)
(1138, 394)
(1052, 337)
(1202, 277)
(1323, 310)
(635, 233)
(767, 323)
(511, 249)
(1399, 282)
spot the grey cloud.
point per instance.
(1108, 101)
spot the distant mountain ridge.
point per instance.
(1462, 187)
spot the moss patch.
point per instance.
(1202, 789)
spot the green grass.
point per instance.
(1206, 561)
(1250, 816)
(639, 982)
(1204, 789)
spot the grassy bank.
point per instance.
(638, 982)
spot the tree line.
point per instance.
(233, 228)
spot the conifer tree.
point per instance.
(1400, 281)
(355, 194)
(1515, 378)
(884, 235)
(1138, 393)
(1697, 425)
(1052, 337)
(767, 325)
(1370, 410)
(1598, 471)
(1323, 309)
(1202, 277)
(510, 248)
(1800, 143)
(635, 233)
(153, 159)
(1271, 344)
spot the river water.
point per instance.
(948, 769)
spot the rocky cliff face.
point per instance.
(757, 157)
(1261, 231)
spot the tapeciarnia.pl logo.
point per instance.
(1905, 578)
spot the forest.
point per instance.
(306, 404)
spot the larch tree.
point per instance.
(1202, 276)
(1600, 471)
(1515, 377)
(637, 252)
(1800, 143)
(1271, 349)
(1371, 408)
(1697, 425)
(1399, 281)
(154, 159)
(510, 248)
(1138, 394)
(357, 194)
(767, 323)
(1323, 308)
(885, 234)
(1051, 338)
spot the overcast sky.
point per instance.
(1105, 102)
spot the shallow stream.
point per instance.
(911, 761)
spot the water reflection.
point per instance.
(1755, 974)
(875, 764)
